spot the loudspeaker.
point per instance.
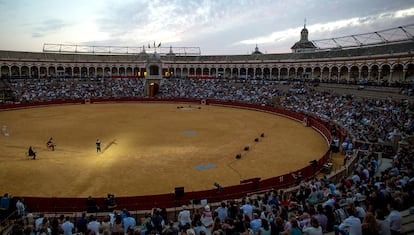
(246, 148)
(179, 191)
(256, 140)
(238, 156)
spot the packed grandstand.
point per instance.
(363, 96)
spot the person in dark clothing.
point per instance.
(81, 224)
(157, 220)
(32, 153)
(110, 203)
(91, 205)
(98, 146)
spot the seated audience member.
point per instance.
(370, 225)
(351, 225)
(313, 227)
(394, 218)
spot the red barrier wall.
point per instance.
(43, 204)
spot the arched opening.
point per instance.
(34, 72)
(5, 71)
(154, 70)
(154, 88)
(284, 74)
(199, 72)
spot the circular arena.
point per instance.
(154, 148)
(148, 148)
(175, 129)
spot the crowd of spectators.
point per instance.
(367, 202)
(221, 89)
(27, 90)
(370, 120)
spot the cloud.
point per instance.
(177, 20)
(48, 27)
(231, 26)
(348, 26)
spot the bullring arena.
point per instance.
(178, 128)
(148, 148)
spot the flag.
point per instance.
(159, 45)
(149, 46)
(154, 44)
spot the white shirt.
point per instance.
(360, 212)
(352, 224)
(247, 209)
(20, 207)
(384, 227)
(94, 226)
(395, 220)
(38, 222)
(356, 178)
(310, 230)
(330, 202)
(184, 217)
(67, 228)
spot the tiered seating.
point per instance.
(312, 102)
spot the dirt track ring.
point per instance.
(150, 152)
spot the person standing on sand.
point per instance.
(32, 153)
(98, 146)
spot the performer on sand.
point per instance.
(50, 144)
(98, 146)
(32, 153)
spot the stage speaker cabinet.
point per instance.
(179, 192)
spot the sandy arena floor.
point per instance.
(147, 148)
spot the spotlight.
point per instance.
(238, 156)
(246, 148)
(262, 135)
(256, 140)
